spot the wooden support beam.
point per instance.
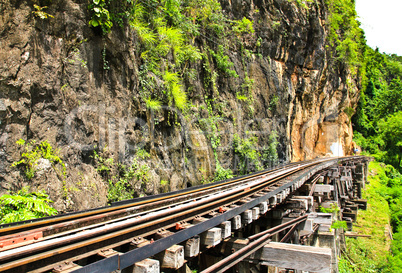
(279, 197)
(306, 258)
(147, 266)
(355, 235)
(173, 257)
(236, 222)
(66, 267)
(247, 217)
(211, 237)
(297, 204)
(362, 203)
(279, 213)
(321, 218)
(231, 245)
(255, 212)
(352, 215)
(192, 247)
(263, 207)
(323, 188)
(273, 200)
(226, 229)
(309, 199)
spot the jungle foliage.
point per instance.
(24, 205)
(377, 126)
(378, 131)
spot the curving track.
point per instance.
(40, 245)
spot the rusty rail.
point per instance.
(144, 218)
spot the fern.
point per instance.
(23, 206)
(153, 104)
(171, 78)
(179, 96)
(146, 35)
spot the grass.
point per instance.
(370, 254)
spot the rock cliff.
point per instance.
(281, 94)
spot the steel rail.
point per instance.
(122, 235)
(136, 255)
(198, 205)
(105, 218)
(26, 225)
(195, 208)
(118, 215)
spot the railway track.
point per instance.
(41, 245)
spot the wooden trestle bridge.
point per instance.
(247, 223)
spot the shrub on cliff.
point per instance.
(24, 205)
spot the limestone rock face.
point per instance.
(62, 82)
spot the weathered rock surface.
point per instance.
(53, 87)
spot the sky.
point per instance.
(382, 21)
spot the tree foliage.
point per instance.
(346, 38)
(378, 130)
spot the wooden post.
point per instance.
(247, 217)
(236, 222)
(279, 197)
(226, 229)
(147, 266)
(306, 258)
(255, 212)
(263, 207)
(273, 200)
(173, 257)
(211, 237)
(66, 267)
(192, 247)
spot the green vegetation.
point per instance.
(100, 15)
(223, 63)
(333, 209)
(24, 205)
(378, 131)
(377, 125)
(210, 127)
(122, 178)
(243, 26)
(346, 38)
(40, 12)
(378, 117)
(302, 3)
(33, 152)
(371, 254)
(270, 151)
(245, 149)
